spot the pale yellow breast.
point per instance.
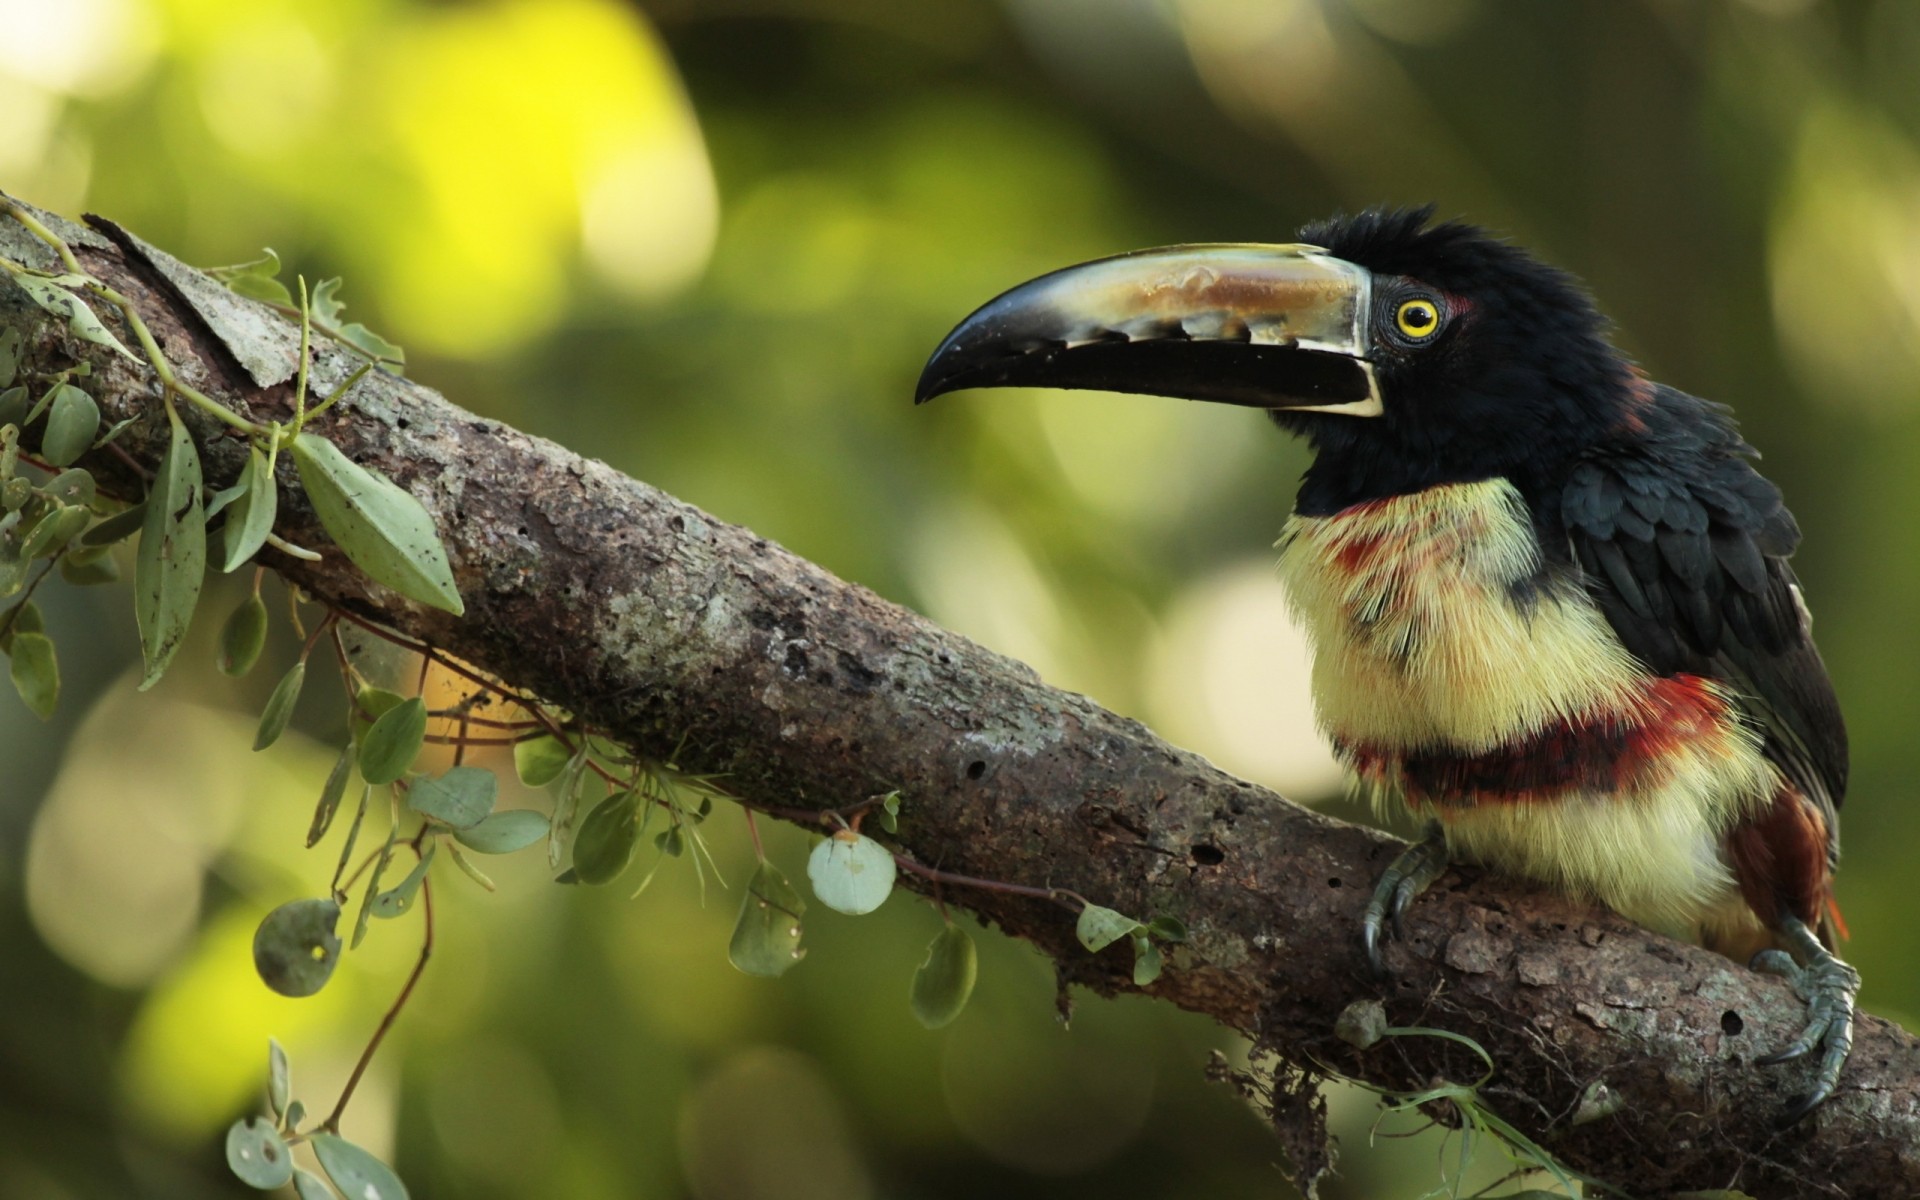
(1416, 639)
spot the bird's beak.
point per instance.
(1280, 327)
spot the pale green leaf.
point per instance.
(307, 1185)
(81, 321)
(72, 423)
(353, 832)
(383, 529)
(173, 553)
(358, 1175)
(945, 980)
(1100, 927)
(253, 512)
(54, 530)
(1168, 929)
(1147, 960)
(279, 1076)
(460, 798)
(14, 405)
(279, 709)
(539, 760)
(372, 344)
(295, 949)
(324, 302)
(504, 832)
(398, 899)
(472, 872)
(373, 890)
(766, 937)
(390, 746)
(10, 341)
(243, 636)
(258, 1154)
(118, 527)
(72, 486)
(36, 672)
(851, 873)
(331, 794)
(605, 843)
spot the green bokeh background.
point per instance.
(712, 243)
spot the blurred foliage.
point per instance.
(711, 243)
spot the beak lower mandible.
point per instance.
(1282, 327)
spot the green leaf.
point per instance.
(390, 746)
(48, 294)
(258, 1154)
(10, 340)
(279, 709)
(36, 672)
(118, 527)
(24, 617)
(766, 937)
(373, 890)
(353, 832)
(331, 794)
(369, 705)
(356, 1173)
(256, 280)
(504, 832)
(383, 529)
(890, 813)
(472, 872)
(296, 1113)
(14, 403)
(173, 553)
(1100, 927)
(1147, 960)
(72, 486)
(295, 949)
(71, 426)
(539, 760)
(307, 1185)
(278, 1074)
(244, 636)
(52, 532)
(251, 520)
(944, 982)
(1168, 929)
(398, 899)
(566, 806)
(88, 567)
(851, 873)
(372, 344)
(461, 798)
(604, 845)
(325, 303)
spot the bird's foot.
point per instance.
(1405, 878)
(1829, 987)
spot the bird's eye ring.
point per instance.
(1417, 319)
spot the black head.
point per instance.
(1408, 353)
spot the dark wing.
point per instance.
(1684, 547)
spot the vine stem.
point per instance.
(332, 1123)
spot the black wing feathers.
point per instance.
(1683, 545)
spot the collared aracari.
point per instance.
(1549, 599)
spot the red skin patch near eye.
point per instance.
(1612, 751)
(1779, 859)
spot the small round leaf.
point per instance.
(460, 798)
(604, 846)
(279, 709)
(356, 1173)
(36, 673)
(258, 1154)
(295, 948)
(390, 746)
(71, 425)
(1100, 927)
(504, 832)
(244, 636)
(944, 982)
(1147, 960)
(851, 873)
(539, 761)
(766, 937)
(309, 1186)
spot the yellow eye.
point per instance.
(1418, 320)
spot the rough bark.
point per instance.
(1627, 1055)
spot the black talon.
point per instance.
(1829, 986)
(1409, 874)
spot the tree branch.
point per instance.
(1629, 1056)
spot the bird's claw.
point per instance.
(1829, 986)
(1405, 878)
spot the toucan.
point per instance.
(1549, 599)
